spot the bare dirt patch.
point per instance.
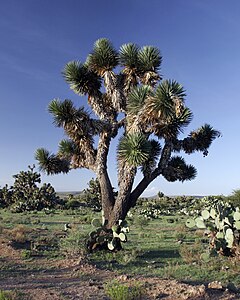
(43, 279)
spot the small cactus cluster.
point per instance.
(221, 222)
(107, 238)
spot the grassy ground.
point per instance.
(161, 247)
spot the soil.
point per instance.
(72, 279)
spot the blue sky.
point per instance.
(200, 44)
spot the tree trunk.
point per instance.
(126, 177)
(106, 194)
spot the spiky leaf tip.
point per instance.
(128, 55)
(62, 111)
(134, 149)
(81, 80)
(103, 57)
(177, 169)
(149, 58)
(66, 148)
(137, 97)
(50, 163)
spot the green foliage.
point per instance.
(25, 195)
(149, 58)
(92, 195)
(5, 197)
(26, 254)
(128, 55)
(116, 290)
(234, 198)
(81, 80)
(134, 149)
(74, 243)
(137, 97)
(12, 295)
(51, 163)
(177, 169)
(200, 140)
(222, 222)
(103, 58)
(5, 295)
(72, 204)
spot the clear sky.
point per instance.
(200, 44)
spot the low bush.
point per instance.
(116, 290)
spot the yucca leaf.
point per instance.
(137, 97)
(62, 111)
(128, 55)
(200, 140)
(50, 163)
(134, 149)
(103, 57)
(150, 163)
(149, 58)
(177, 169)
(81, 80)
(66, 148)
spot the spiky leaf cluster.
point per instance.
(134, 149)
(76, 122)
(137, 98)
(103, 57)
(200, 140)
(149, 165)
(177, 169)
(50, 163)
(81, 80)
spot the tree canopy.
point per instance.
(125, 90)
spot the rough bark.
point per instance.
(143, 184)
(107, 194)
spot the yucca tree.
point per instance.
(150, 112)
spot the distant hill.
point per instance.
(79, 193)
(64, 195)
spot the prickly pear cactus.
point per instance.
(222, 222)
(107, 238)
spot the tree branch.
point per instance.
(143, 184)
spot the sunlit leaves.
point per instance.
(134, 149)
(162, 104)
(103, 57)
(62, 111)
(128, 55)
(81, 80)
(149, 58)
(172, 126)
(137, 97)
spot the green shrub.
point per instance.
(122, 291)
(72, 204)
(26, 254)
(25, 195)
(141, 221)
(234, 198)
(13, 295)
(74, 243)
